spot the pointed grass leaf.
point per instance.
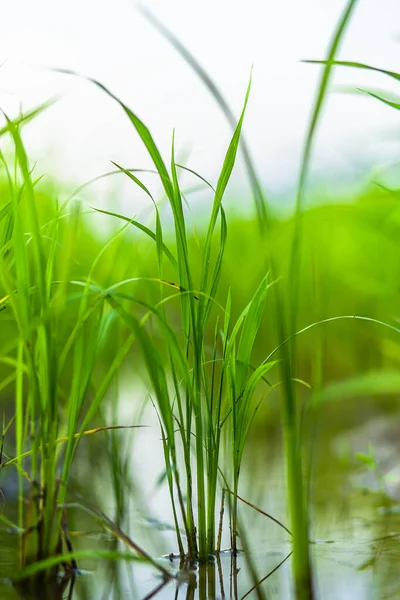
(246, 411)
(180, 230)
(356, 65)
(250, 329)
(145, 230)
(141, 129)
(27, 117)
(86, 184)
(216, 274)
(197, 175)
(390, 103)
(256, 377)
(216, 93)
(229, 161)
(222, 183)
(135, 179)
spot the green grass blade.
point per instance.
(141, 129)
(216, 93)
(355, 65)
(145, 230)
(223, 180)
(390, 103)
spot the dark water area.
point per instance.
(355, 533)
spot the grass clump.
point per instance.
(197, 391)
(59, 332)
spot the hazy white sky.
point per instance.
(111, 41)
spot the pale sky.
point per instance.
(78, 137)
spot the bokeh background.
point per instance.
(112, 42)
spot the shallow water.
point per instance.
(355, 541)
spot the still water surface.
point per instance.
(355, 540)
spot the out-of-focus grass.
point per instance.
(350, 266)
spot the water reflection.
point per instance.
(208, 582)
(355, 543)
(41, 589)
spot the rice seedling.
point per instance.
(286, 325)
(58, 337)
(200, 391)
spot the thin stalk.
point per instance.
(171, 491)
(294, 460)
(19, 426)
(212, 455)
(201, 503)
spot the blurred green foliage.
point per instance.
(350, 266)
